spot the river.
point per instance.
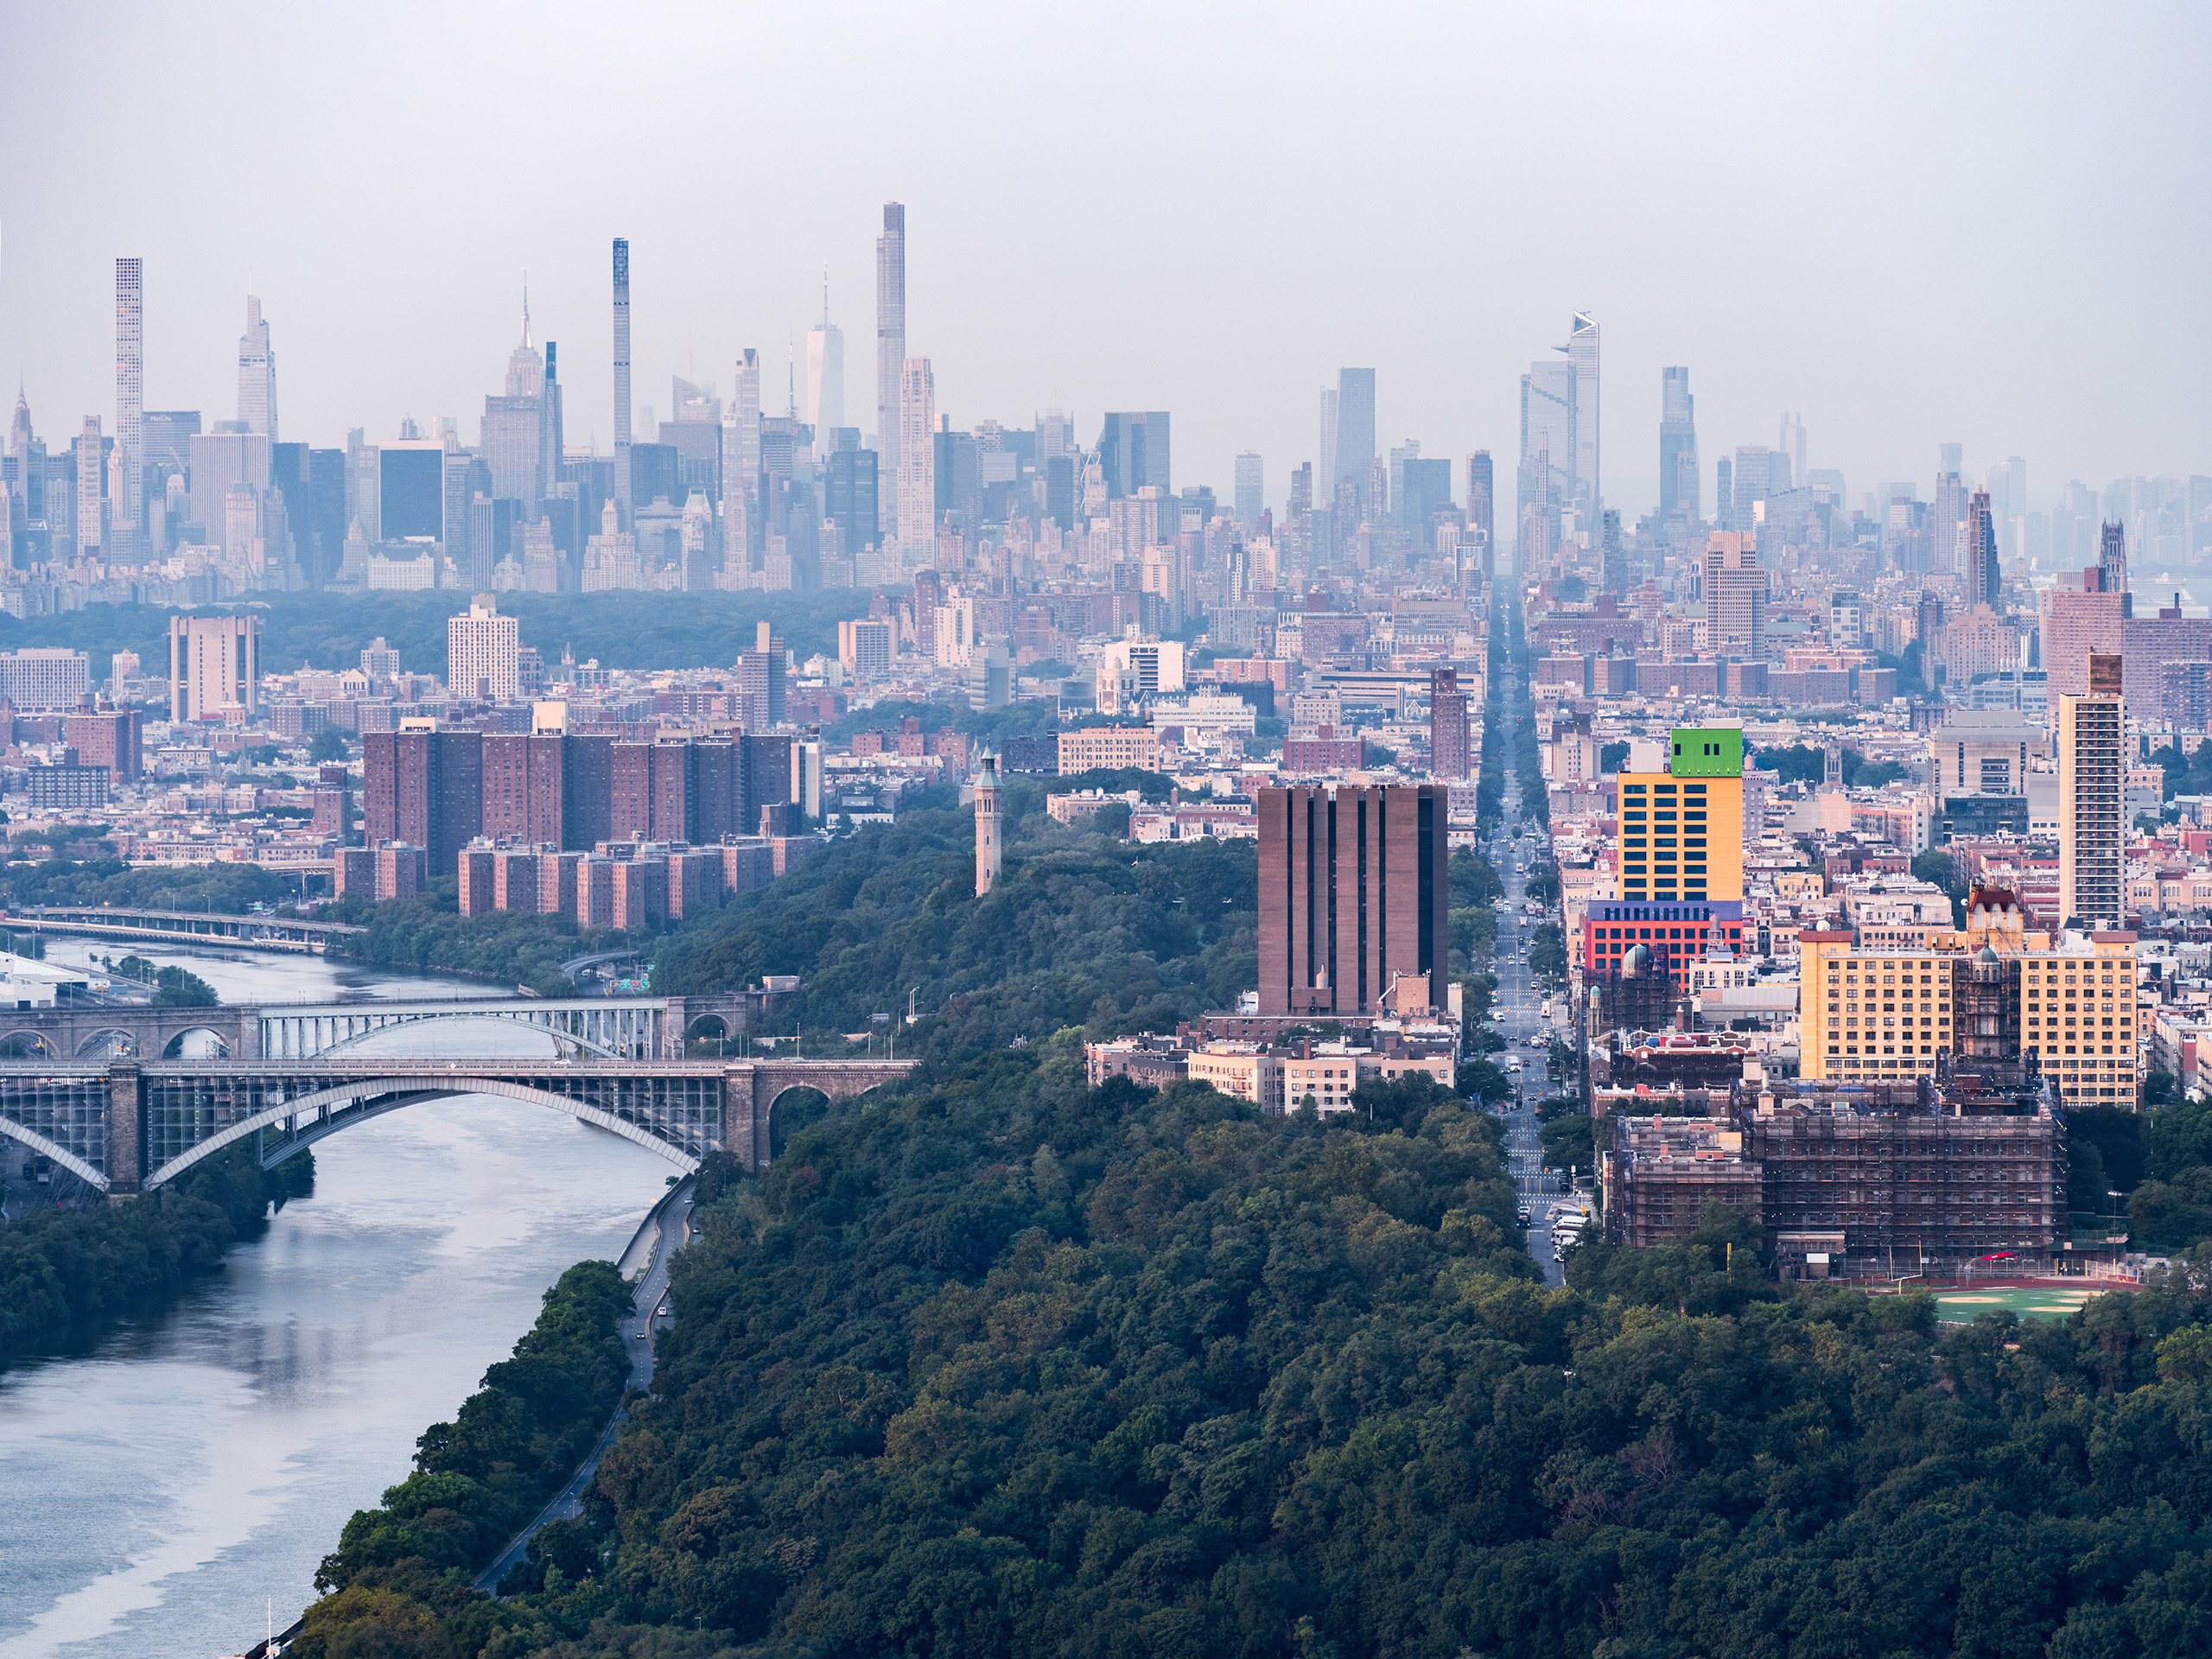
(192, 1462)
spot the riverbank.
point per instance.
(65, 1274)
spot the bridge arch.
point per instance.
(26, 1045)
(561, 1040)
(781, 1131)
(181, 1046)
(360, 1100)
(108, 1043)
(69, 1160)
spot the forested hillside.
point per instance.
(1081, 928)
(1001, 1364)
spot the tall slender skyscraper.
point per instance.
(1678, 472)
(916, 428)
(622, 371)
(826, 379)
(126, 509)
(256, 373)
(1581, 349)
(1325, 468)
(1354, 431)
(891, 359)
(1792, 448)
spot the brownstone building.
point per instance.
(1353, 894)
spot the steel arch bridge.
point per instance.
(125, 1128)
(624, 1027)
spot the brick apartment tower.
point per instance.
(1354, 889)
(1448, 741)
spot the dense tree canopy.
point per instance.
(1001, 1364)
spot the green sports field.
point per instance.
(2031, 1302)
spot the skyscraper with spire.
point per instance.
(126, 509)
(825, 378)
(256, 373)
(891, 350)
(514, 433)
(622, 372)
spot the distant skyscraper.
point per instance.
(1482, 513)
(1581, 349)
(825, 378)
(256, 373)
(1678, 472)
(1984, 581)
(1724, 493)
(1615, 556)
(622, 371)
(513, 434)
(126, 508)
(1354, 430)
(1132, 451)
(1251, 489)
(1326, 465)
(2112, 565)
(1944, 518)
(1793, 448)
(1547, 425)
(1950, 458)
(2092, 800)
(891, 354)
(1760, 475)
(92, 471)
(917, 429)
(1735, 590)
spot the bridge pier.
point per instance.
(126, 1131)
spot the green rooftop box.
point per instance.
(1707, 752)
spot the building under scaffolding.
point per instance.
(1662, 1172)
(1860, 1180)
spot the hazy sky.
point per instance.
(1913, 224)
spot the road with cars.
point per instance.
(1517, 1011)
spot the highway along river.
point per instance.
(190, 1463)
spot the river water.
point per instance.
(192, 1464)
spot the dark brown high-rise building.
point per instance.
(524, 786)
(426, 788)
(1448, 744)
(1354, 890)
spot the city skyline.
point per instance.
(2043, 358)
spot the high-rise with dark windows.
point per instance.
(1354, 890)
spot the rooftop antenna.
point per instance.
(825, 297)
(790, 379)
